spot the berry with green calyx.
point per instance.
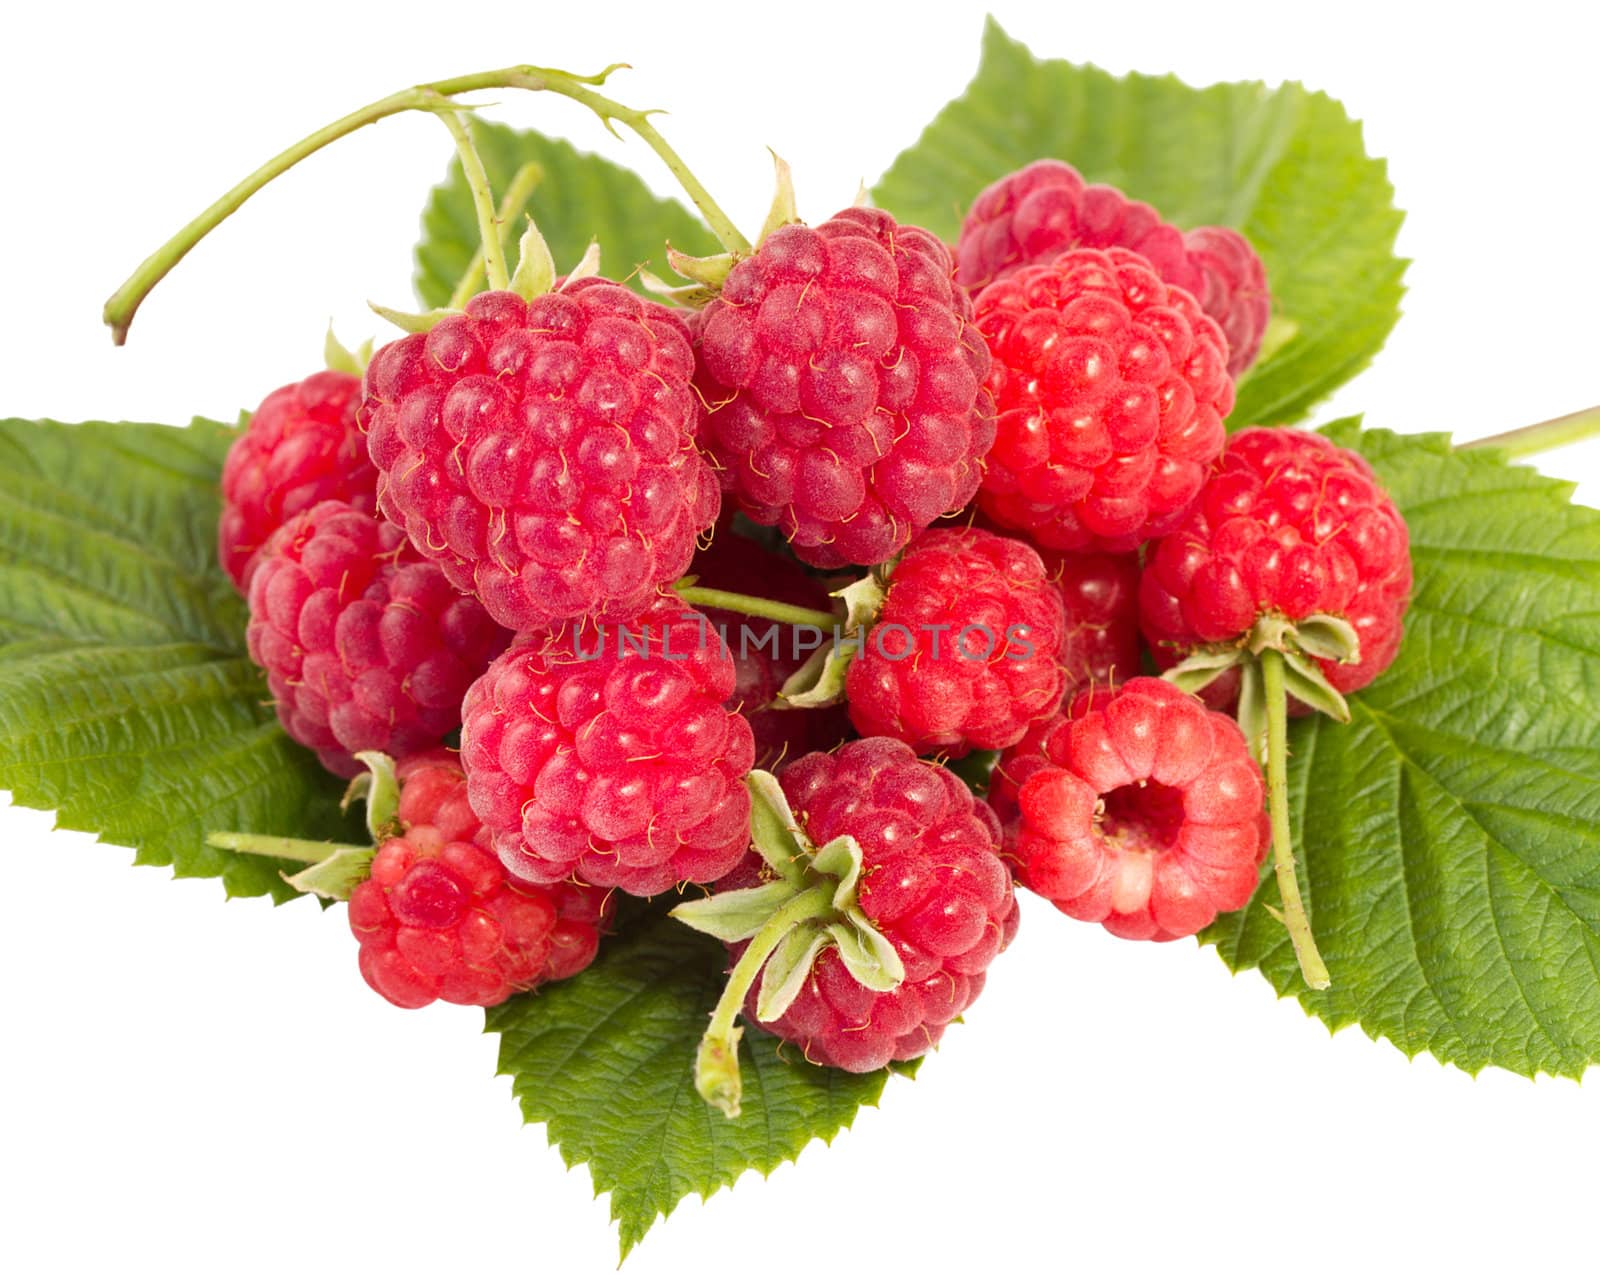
(435, 914)
(869, 920)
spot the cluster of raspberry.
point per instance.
(717, 588)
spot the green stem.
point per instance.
(760, 608)
(1543, 437)
(125, 301)
(521, 189)
(1294, 911)
(494, 259)
(716, 1068)
(277, 847)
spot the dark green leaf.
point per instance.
(604, 1060)
(1285, 166)
(1450, 834)
(127, 702)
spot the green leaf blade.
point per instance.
(1451, 833)
(127, 702)
(604, 1059)
(1285, 166)
(579, 197)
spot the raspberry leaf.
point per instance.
(127, 701)
(603, 1061)
(1286, 166)
(1450, 834)
(577, 198)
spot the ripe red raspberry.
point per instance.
(1290, 526)
(932, 883)
(1233, 290)
(1111, 389)
(438, 919)
(1140, 809)
(966, 649)
(607, 752)
(1031, 216)
(765, 653)
(300, 448)
(1100, 596)
(542, 451)
(843, 384)
(365, 645)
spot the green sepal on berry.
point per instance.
(819, 682)
(1302, 644)
(333, 869)
(810, 906)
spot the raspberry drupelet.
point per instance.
(365, 645)
(1111, 388)
(607, 752)
(843, 383)
(542, 452)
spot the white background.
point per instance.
(200, 1086)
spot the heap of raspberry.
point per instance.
(767, 654)
(966, 648)
(1139, 809)
(365, 645)
(843, 385)
(607, 752)
(1111, 388)
(891, 875)
(301, 447)
(1031, 216)
(1291, 532)
(542, 452)
(1100, 597)
(438, 919)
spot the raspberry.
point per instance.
(966, 648)
(931, 886)
(542, 451)
(1140, 809)
(608, 753)
(1234, 290)
(843, 383)
(1031, 216)
(1289, 527)
(438, 920)
(1111, 388)
(1100, 595)
(300, 448)
(766, 654)
(365, 645)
